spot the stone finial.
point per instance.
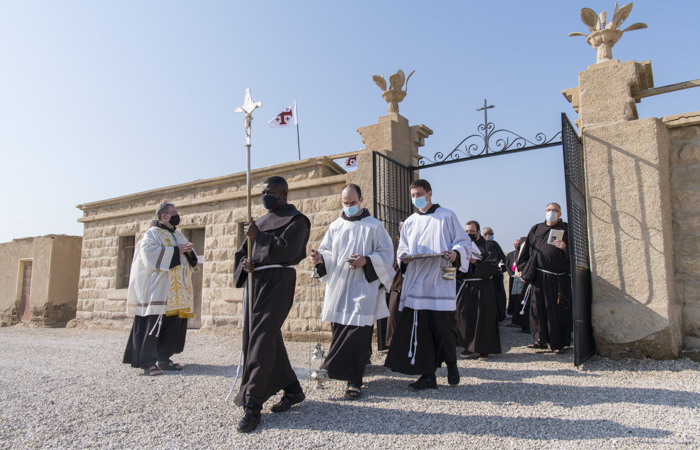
(394, 94)
(604, 36)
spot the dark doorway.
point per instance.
(196, 237)
(25, 309)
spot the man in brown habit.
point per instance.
(477, 311)
(279, 243)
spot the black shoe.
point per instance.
(452, 374)
(424, 382)
(287, 401)
(250, 420)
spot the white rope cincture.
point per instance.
(413, 344)
(524, 301)
(159, 322)
(240, 354)
(552, 273)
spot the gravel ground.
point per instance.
(67, 388)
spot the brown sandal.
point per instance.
(169, 365)
(537, 344)
(152, 371)
(353, 393)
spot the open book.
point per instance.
(555, 235)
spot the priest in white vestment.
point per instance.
(425, 334)
(160, 295)
(355, 261)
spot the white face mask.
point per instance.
(551, 216)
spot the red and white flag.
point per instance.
(350, 162)
(286, 118)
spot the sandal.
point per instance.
(353, 393)
(152, 371)
(169, 365)
(537, 344)
(559, 351)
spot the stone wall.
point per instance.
(219, 207)
(55, 263)
(685, 203)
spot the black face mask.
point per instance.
(174, 220)
(472, 236)
(269, 201)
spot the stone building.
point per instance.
(212, 215)
(39, 280)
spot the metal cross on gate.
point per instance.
(486, 122)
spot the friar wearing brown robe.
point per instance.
(279, 243)
(477, 311)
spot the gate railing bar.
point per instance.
(452, 161)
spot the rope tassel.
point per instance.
(413, 344)
(525, 298)
(158, 323)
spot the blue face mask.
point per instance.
(490, 237)
(351, 210)
(419, 202)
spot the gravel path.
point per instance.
(67, 388)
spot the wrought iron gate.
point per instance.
(584, 345)
(392, 204)
(392, 196)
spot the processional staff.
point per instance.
(248, 107)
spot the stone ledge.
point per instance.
(682, 120)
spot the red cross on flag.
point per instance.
(286, 118)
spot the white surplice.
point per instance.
(155, 288)
(350, 299)
(423, 285)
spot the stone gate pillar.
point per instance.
(395, 138)
(634, 311)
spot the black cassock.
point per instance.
(477, 311)
(498, 283)
(547, 268)
(514, 300)
(282, 240)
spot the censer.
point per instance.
(316, 373)
(449, 272)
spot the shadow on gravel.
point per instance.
(207, 370)
(517, 375)
(358, 419)
(534, 394)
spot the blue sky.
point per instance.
(103, 99)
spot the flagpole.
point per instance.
(298, 145)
